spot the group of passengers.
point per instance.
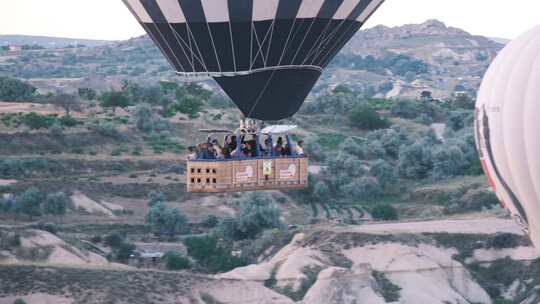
(212, 149)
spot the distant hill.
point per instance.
(48, 42)
(500, 40)
(381, 61)
(415, 57)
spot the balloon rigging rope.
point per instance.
(287, 45)
(261, 93)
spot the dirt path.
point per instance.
(464, 226)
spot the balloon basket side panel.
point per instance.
(247, 175)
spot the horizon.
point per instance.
(116, 22)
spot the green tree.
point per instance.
(321, 191)
(384, 212)
(29, 202)
(147, 121)
(405, 109)
(415, 161)
(448, 161)
(114, 100)
(156, 197)
(384, 172)
(35, 121)
(87, 93)
(187, 104)
(124, 252)
(68, 102)
(114, 240)
(211, 221)
(257, 213)
(168, 86)
(364, 188)
(12, 89)
(165, 220)
(175, 261)
(56, 203)
(210, 254)
(366, 118)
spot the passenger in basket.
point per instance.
(246, 151)
(231, 145)
(299, 149)
(218, 150)
(192, 155)
(278, 148)
(199, 151)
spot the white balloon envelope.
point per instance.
(508, 129)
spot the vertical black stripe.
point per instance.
(152, 8)
(200, 33)
(329, 9)
(283, 29)
(288, 9)
(240, 10)
(357, 11)
(193, 10)
(343, 40)
(240, 15)
(300, 30)
(162, 27)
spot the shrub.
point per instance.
(56, 203)
(366, 118)
(68, 121)
(448, 161)
(211, 221)
(364, 188)
(384, 212)
(12, 89)
(68, 102)
(156, 197)
(504, 240)
(384, 173)
(257, 213)
(29, 202)
(114, 240)
(405, 109)
(168, 221)
(175, 261)
(19, 301)
(390, 291)
(106, 129)
(96, 239)
(124, 252)
(321, 191)
(209, 254)
(14, 240)
(187, 104)
(220, 101)
(114, 100)
(147, 121)
(415, 161)
(56, 130)
(35, 121)
(87, 93)
(51, 228)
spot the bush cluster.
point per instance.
(33, 202)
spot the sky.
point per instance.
(110, 20)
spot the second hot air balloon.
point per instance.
(508, 129)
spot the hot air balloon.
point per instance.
(508, 126)
(266, 54)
